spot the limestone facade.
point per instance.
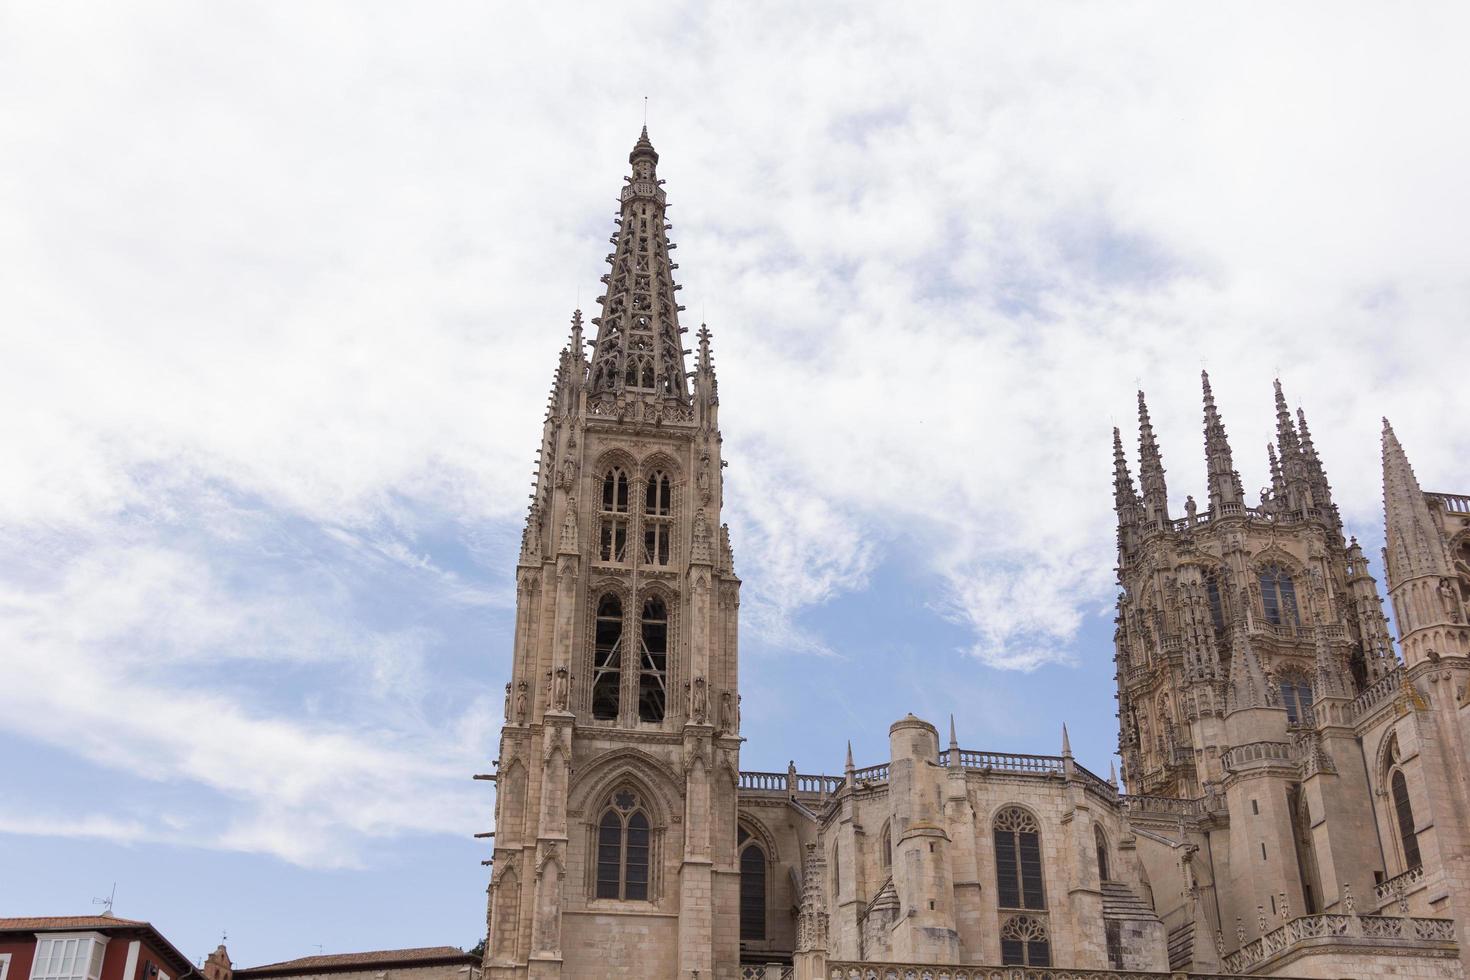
(1296, 805)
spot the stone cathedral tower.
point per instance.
(1236, 622)
(619, 759)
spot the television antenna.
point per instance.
(106, 903)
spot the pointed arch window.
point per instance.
(752, 887)
(1101, 842)
(1278, 597)
(1018, 860)
(623, 847)
(1296, 698)
(607, 656)
(1024, 941)
(639, 372)
(1404, 815)
(653, 673)
(1217, 604)
(885, 847)
(657, 519)
(613, 537)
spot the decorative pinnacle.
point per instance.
(644, 147)
(1285, 433)
(1224, 484)
(1066, 743)
(1151, 468)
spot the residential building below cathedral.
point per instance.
(1297, 799)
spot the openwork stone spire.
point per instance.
(1226, 493)
(639, 349)
(1151, 469)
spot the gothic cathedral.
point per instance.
(1298, 796)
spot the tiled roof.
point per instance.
(84, 923)
(379, 957)
(55, 923)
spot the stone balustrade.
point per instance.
(1398, 884)
(1337, 926)
(1378, 691)
(764, 971)
(921, 971)
(1239, 756)
(1453, 502)
(1163, 804)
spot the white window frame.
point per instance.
(92, 939)
(4, 965)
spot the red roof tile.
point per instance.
(381, 957)
(55, 923)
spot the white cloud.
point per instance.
(322, 258)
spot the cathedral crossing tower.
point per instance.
(619, 759)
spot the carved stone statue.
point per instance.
(698, 701)
(560, 689)
(508, 717)
(568, 474)
(727, 713)
(700, 551)
(521, 691)
(703, 480)
(1450, 601)
(1190, 509)
(569, 526)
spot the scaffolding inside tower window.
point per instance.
(653, 671)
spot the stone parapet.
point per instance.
(1322, 933)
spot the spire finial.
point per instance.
(1066, 743)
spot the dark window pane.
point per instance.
(1031, 889)
(1008, 882)
(1405, 813)
(609, 854)
(1039, 953)
(753, 893)
(1012, 952)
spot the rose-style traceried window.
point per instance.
(1024, 941)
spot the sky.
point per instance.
(282, 288)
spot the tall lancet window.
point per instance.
(752, 887)
(1278, 597)
(1403, 812)
(1296, 698)
(623, 841)
(657, 519)
(654, 672)
(607, 656)
(1018, 860)
(1217, 605)
(613, 542)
